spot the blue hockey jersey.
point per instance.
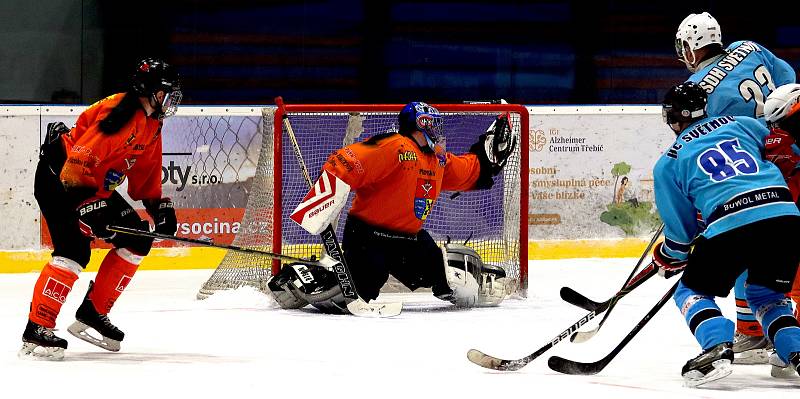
(739, 81)
(715, 166)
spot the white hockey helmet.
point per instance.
(695, 32)
(781, 103)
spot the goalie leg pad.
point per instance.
(472, 282)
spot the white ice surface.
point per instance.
(236, 344)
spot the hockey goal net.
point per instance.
(494, 221)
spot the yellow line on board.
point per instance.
(178, 258)
(565, 249)
(183, 258)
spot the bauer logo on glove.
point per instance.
(322, 204)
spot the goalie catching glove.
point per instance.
(667, 265)
(498, 143)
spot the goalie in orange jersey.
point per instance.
(76, 177)
(397, 178)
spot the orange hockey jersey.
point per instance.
(103, 161)
(396, 183)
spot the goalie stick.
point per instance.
(355, 304)
(209, 243)
(567, 366)
(583, 336)
(495, 363)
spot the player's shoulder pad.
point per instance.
(380, 138)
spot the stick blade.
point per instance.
(491, 362)
(566, 366)
(582, 336)
(375, 310)
(576, 298)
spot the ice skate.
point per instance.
(780, 369)
(39, 342)
(749, 349)
(87, 317)
(711, 365)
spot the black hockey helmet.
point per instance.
(153, 75)
(685, 102)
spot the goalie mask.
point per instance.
(419, 116)
(153, 75)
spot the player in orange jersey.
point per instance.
(397, 178)
(79, 169)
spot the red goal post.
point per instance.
(494, 221)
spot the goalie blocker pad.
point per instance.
(322, 205)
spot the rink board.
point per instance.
(579, 157)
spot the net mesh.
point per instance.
(487, 220)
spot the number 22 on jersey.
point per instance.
(726, 160)
(750, 89)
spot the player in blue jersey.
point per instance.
(737, 78)
(715, 166)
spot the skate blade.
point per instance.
(80, 330)
(753, 356)
(31, 351)
(722, 369)
(783, 372)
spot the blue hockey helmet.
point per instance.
(420, 116)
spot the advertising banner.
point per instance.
(591, 171)
(209, 159)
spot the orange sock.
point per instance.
(51, 290)
(113, 276)
(747, 327)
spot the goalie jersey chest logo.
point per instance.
(424, 198)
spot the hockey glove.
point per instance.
(667, 265)
(94, 216)
(498, 142)
(163, 213)
(55, 130)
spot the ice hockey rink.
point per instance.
(237, 344)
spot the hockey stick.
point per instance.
(142, 233)
(355, 304)
(583, 336)
(494, 363)
(567, 366)
(576, 298)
